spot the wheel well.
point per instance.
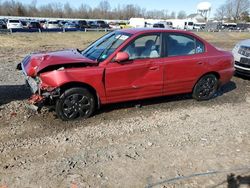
(82, 85)
(214, 73)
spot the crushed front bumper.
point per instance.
(36, 101)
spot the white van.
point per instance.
(189, 25)
(14, 24)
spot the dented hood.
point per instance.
(37, 62)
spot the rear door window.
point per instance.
(181, 45)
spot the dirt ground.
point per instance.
(164, 142)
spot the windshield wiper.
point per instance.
(95, 46)
(107, 49)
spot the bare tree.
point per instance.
(233, 9)
(182, 14)
(239, 7)
(102, 11)
(173, 15)
(68, 11)
(221, 13)
(245, 16)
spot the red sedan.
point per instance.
(126, 65)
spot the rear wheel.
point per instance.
(75, 103)
(206, 87)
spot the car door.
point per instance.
(185, 62)
(139, 77)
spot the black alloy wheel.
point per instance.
(206, 87)
(75, 103)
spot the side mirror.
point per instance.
(121, 56)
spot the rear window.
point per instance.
(14, 21)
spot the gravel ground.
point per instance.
(164, 142)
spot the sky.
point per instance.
(189, 6)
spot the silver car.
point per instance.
(51, 25)
(241, 54)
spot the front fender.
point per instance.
(90, 76)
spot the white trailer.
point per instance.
(182, 24)
(137, 22)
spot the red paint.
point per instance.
(121, 56)
(137, 79)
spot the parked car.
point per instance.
(98, 24)
(82, 24)
(3, 24)
(158, 25)
(213, 26)
(189, 25)
(200, 26)
(241, 54)
(42, 23)
(25, 24)
(51, 25)
(126, 65)
(70, 25)
(62, 23)
(229, 26)
(114, 25)
(14, 24)
(124, 25)
(243, 26)
(34, 25)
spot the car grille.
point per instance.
(245, 51)
(244, 62)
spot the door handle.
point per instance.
(200, 63)
(154, 68)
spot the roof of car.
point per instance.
(148, 30)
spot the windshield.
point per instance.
(105, 46)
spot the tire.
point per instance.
(75, 103)
(206, 87)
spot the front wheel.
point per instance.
(206, 87)
(75, 103)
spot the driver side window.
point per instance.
(144, 47)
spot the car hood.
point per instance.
(245, 43)
(48, 61)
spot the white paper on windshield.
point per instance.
(121, 37)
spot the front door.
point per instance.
(139, 77)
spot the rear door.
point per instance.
(139, 77)
(185, 61)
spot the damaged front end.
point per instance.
(41, 72)
(41, 95)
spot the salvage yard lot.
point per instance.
(135, 144)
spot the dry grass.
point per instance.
(43, 41)
(225, 40)
(23, 43)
